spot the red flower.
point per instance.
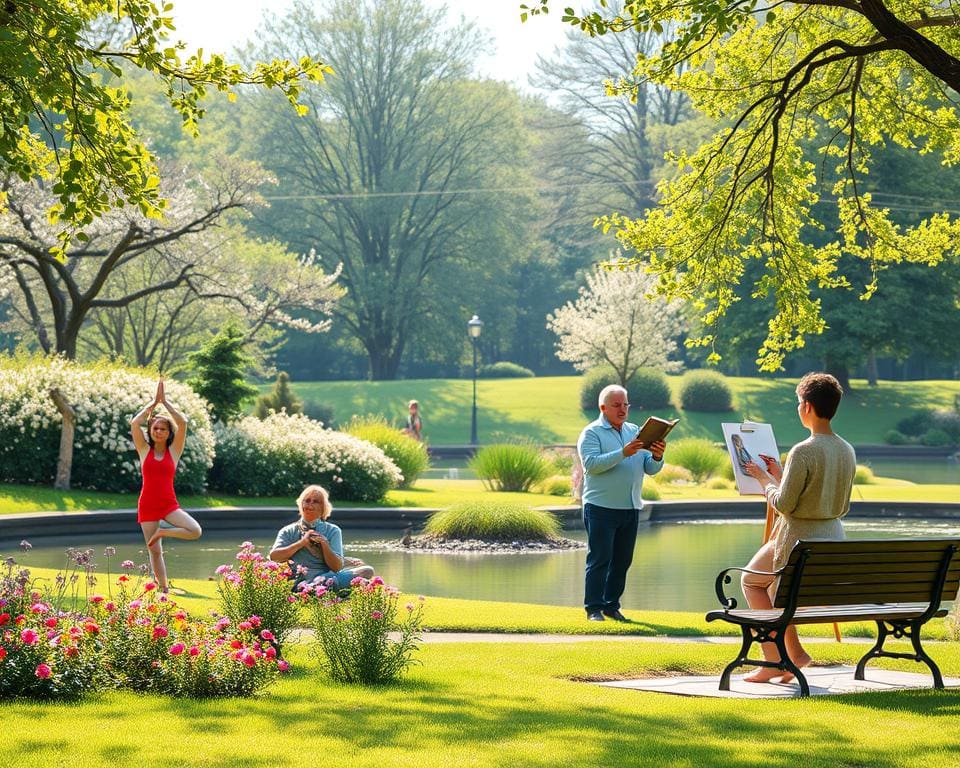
(4, 618)
(43, 671)
(159, 632)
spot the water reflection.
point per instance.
(674, 564)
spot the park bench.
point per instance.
(898, 583)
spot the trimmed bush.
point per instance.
(322, 412)
(493, 521)
(936, 438)
(648, 388)
(281, 398)
(650, 491)
(557, 485)
(948, 421)
(281, 454)
(674, 473)
(705, 391)
(895, 437)
(409, 455)
(698, 455)
(504, 370)
(105, 397)
(916, 423)
(719, 484)
(510, 466)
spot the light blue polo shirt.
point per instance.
(291, 533)
(611, 479)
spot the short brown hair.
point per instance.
(822, 391)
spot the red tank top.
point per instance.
(157, 497)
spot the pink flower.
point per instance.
(177, 648)
(92, 628)
(244, 626)
(29, 637)
(271, 652)
(97, 599)
(149, 586)
(159, 632)
(222, 569)
(111, 607)
(51, 622)
(128, 565)
(255, 620)
(377, 580)
(376, 615)
(43, 671)
(357, 581)
(134, 604)
(283, 666)
(249, 660)
(266, 634)
(39, 608)
(222, 624)
(194, 651)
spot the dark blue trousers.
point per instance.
(611, 536)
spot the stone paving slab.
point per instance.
(823, 681)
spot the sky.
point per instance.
(219, 25)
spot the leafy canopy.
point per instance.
(63, 104)
(803, 94)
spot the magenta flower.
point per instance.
(43, 671)
(177, 648)
(134, 604)
(128, 565)
(249, 660)
(271, 652)
(376, 615)
(96, 599)
(357, 581)
(222, 569)
(255, 620)
(283, 666)
(51, 622)
(149, 586)
(159, 632)
(222, 624)
(266, 634)
(194, 651)
(39, 608)
(377, 580)
(29, 637)
(244, 626)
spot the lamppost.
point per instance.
(474, 327)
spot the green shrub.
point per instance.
(706, 391)
(365, 638)
(322, 412)
(895, 437)
(493, 521)
(650, 491)
(409, 455)
(915, 423)
(864, 475)
(281, 454)
(280, 399)
(557, 485)
(674, 473)
(219, 367)
(105, 397)
(720, 483)
(504, 370)
(648, 388)
(936, 438)
(561, 459)
(949, 422)
(698, 455)
(510, 466)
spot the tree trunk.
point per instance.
(872, 368)
(65, 458)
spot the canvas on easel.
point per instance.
(747, 441)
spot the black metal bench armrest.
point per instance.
(729, 603)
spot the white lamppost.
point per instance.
(474, 327)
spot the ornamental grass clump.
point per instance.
(493, 521)
(366, 637)
(699, 455)
(275, 457)
(257, 586)
(510, 466)
(104, 396)
(409, 455)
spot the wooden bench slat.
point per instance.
(870, 578)
(830, 614)
(884, 567)
(855, 546)
(838, 558)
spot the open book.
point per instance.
(655, 428)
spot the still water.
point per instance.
(674, 568)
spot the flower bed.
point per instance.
(279, 455)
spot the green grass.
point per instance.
(481, 705)
(546, 409)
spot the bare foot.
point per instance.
(764, 675)
(154, 539)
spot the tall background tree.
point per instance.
(395, 172)
(846, 77)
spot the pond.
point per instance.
(675, 564)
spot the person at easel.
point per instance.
(810, 496)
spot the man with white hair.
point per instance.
(614, 464)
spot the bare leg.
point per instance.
(155, 551)
(756, 589)
(184, 527)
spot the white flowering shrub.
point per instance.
(105, 397)
(281, 454)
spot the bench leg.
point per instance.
(739, 661)
(898, 630)
(786, 663)
(743, 657)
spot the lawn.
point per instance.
(510, 704)
(546, 409)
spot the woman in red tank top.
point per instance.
(159, 453)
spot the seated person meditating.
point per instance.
(314, 547)
(810, 496)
